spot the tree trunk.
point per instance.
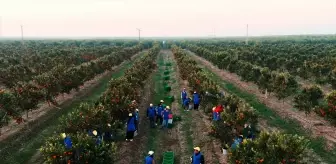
(266, 94)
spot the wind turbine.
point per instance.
(139, 30)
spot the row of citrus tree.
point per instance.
(106, 116)
(16, 66)
(26, 96)
(283, 84)
(266, 147)
(314, 61)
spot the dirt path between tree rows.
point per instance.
(201, 126)
(176, 142)
(314, 123)
(129, 151)
(44, 108)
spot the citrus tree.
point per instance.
(308, 98)
(270, 148)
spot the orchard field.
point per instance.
(283, 88)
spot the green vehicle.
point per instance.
(168, 157)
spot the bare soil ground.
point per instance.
(130, 151)
(201, 126)
(176, 142)
(317, 125)
(44, 108)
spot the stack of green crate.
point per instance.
(168, 64)
(166, 77)
(166, 72)
(170, 99)
(168, 157)
(167, 88)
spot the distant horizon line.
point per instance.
(136, 37)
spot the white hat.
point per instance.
(151, 105)
(63, 135)
(194, 91)
(167, 107)
(108, 125)
(214, 108)
(137, 110)
(94, 132)
(130, 114)
(150, 152)
(161, 101)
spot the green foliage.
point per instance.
(65, 75)
(84, 147)
(106, 115)
(270, 148)
(308, 98)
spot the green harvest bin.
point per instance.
(166, 72)
(177, 118)
(167, 88)
(170, 126)
(166, 77)
(168, 64)
(171, 98)
(168, 157)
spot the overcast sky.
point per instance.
(166, 17)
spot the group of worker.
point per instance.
(159, 115)
(189, 103)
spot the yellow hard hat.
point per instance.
(197, 148)
(63, 135)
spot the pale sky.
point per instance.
(108, 18)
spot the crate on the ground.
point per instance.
(168, 157)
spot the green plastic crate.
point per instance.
(176, 118)
(168, 64)
(166, 77)
(166, 72)
(170, 126)
(167, 88)
(171, 98)
(168, 157)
